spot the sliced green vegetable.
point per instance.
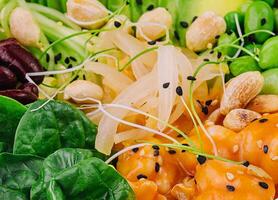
(11, 112)
(53, 126)
(269, 54)
(231, 22)
(75, 174)
(259, 16)
(17, 175)
(270, 81)
(244, 64)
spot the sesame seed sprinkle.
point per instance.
(184, 24)
(171, 151)
(135, 149)
(265, 149)
(263, 120)
(235, 148)
(263, 21)
(230, 188)
(246, 163)
(201, 159)
(263, 185)
(155, 147)
(140, 176)
(166, 85)
(153, 42)
(191, 78)
(150, 7)
(230, 176)
(157, 167)
(117, 24)
(179, 91)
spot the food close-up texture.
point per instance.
(138, 99)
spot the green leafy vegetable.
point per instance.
(17, 174)
(10, 114)
(53, 126)
(7, 194)
(76, 174)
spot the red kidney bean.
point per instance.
(29, 87)
(22, 96)
(19, 60)
(8, 79)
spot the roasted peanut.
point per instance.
(148, 20)
(240, 91)
(238, 119)
(81, 89)
(24, 28)
(264, 104)
(203, 31)
(87, 13)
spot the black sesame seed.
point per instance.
(251, 38)
(157, 167)
(155, 147)
(84, 77)
(183, 151)
(211, 52)
(201, 159)
(184, 24)
(219, 54)
(70, 66)
(191, 78)
(263, 21)
(171, 151)
(150, 7)
(187, 145)
(263, 120)
(217, 36)
(179, 91)
(139, 2)
(153, 42)
(246, 163)
(73, 58)
(230, 188)
(206, 60)
(205, 110)
(179, 135)
(135, 149)
(254, 119)
(47, 58)
(57, 58)
(265, 149)
(177, 36)
(166, 85)
(156, 152)
(117, 24)
(208, 102)
(67, 60)
(263, 185)
(140, 176)
(194, 18)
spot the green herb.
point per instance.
(55, 125)
(17, 175)
(11, 112)
(76, 174)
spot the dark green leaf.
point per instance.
(75, 174)
(18, 173)
(55, 125)
(9, 194)
(11, 112)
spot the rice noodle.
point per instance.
(132, 46)
(167, 73)
(107, 126)
(114, 79)
(134, 134)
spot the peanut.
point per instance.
(264, 104)
(203, 31)
(240, 91)
(238, 119)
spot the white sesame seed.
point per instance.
(260, 143)
(265, 114)
(214, 102)
(274, 158)
(235, 148)
(230, 176)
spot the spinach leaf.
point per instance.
(75, 174)
(17, 174)
(9, 194)
(11, 112)
(54, 126)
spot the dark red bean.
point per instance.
(22, 96)
(19, 60)
(29, 87)
(7, 79)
